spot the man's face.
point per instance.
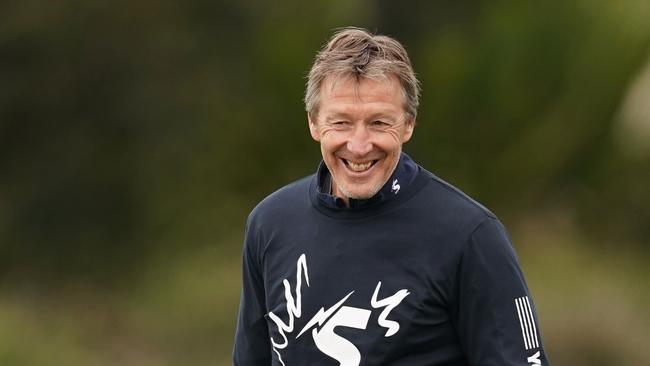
(361, 126)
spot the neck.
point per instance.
(335, 191)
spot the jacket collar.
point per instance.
(403, 175)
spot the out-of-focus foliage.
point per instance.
(136, 136)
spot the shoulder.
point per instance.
(450, 206)
(282, 203)
(452, 195)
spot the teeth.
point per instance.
(359, 167)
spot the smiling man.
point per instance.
(361, 126)
(373, 260)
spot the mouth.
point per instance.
(359, 167)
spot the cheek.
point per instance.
(393, 138)
(331, 139)
(327, 147)
(325, 133)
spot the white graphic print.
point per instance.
(336, 346)
(389, 303)
(395, 187)
(534, 359)
(527, 322)
(324, 322)
(293, 307)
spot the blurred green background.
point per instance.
(135, 137)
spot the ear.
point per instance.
(313, 128)
(409, 127)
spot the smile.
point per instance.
(359, 167)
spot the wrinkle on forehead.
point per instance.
(356, 79)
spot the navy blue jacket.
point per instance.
(422, 276)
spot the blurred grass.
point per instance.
(181, 311)
(592, 297)
(182, 308)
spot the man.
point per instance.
(373, 260)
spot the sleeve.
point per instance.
(252, 342)
(495, 316)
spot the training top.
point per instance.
(421, 275)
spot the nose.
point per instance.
(359, 143)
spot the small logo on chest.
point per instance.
(395, 188)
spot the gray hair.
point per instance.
(355, 52)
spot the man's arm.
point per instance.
(495, 315)
(252, 344)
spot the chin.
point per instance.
(361, 194)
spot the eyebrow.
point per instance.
(343, 115)
(337, 115)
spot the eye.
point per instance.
(379, 123)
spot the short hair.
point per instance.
(355, 52)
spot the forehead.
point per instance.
(343, 95)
